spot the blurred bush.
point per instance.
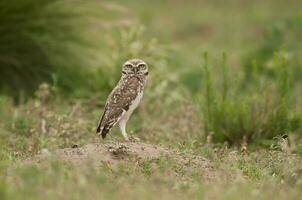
(49, 41)
(281, 36)
(73, 45)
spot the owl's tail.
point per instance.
(103, 130)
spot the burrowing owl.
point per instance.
(125, 97)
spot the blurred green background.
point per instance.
(222, 73)
(237, 63)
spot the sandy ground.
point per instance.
(113, 153)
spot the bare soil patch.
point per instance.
(112, 154)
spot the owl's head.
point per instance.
(135, 67)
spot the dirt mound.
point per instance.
(112, 154)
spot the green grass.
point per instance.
(238, 176)
(60, 59)
(258, 173)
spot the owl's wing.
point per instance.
(109, 118)
(117, 104)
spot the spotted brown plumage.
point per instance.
(124, 98)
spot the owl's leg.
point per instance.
(122, 124)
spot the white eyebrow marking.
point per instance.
(128, 63)
(135, 62)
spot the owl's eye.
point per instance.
(128, 66)
(142, 66)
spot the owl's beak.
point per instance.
(135, 70)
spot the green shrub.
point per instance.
(257, 113)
